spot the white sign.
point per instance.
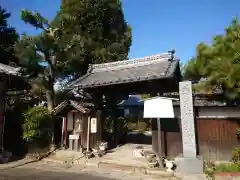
(93, 125)
(73, 136)
(158, 107)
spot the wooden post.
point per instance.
(2, 109)
(98, 102)
(111, 102)
(99, 124)
(155, 145)
(88, 133)
(159, 139)
(64, 132)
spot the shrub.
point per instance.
(238, 133)
(121, 124)
(228, 167)
(209, 169)
(37, 125)
(236, 156)
(141, 126)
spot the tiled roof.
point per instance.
(133, 70)
(200, 99)
(9, 70)
(200, 102)
(80, 106)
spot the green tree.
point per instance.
(42, 48)
(32, 51)
(83, 32)
(219, 63)
(8, 38)
(97, 31)
(145, 96)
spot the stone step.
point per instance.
(159, 172)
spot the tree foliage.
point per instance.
(36, 124)
(218, 63)
(82, 33)
(8, 38)
(97, 31)
(42, 48)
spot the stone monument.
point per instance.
(188, 162)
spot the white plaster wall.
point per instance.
(213, 112)
(216, 112)
(220, 112)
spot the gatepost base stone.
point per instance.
(189, 165)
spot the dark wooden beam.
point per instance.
(98, 103)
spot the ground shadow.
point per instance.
(137, 138)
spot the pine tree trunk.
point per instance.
(50, 100)
(50, 103)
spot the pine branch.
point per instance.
(35, 19)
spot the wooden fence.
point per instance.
(215, 137)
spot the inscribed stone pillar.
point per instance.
(187, 119)
(189, 162)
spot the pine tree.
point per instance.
(97, 31)
(7, 39)
(219, 63)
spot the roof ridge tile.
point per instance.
(128, 63)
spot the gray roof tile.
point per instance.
(133, 70)
(80, 106)
(9, 70)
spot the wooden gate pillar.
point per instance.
(112, 107)
(98, 102)
(2, 109)
(157, 144)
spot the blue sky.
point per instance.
(158, 25)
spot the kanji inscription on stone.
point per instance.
(187, 119)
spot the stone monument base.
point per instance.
(189, 165)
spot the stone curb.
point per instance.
(49, 160)
(16, 164)
(141, 170)
(75, 162)
(117, 167)
(191, 176)
(23, 162)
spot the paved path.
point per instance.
(42, 171)
(19, 174)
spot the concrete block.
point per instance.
(192, 176)
(93, 164)
(189, 165)
(140, 170)
(160, 173)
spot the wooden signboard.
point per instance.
(93, 125)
